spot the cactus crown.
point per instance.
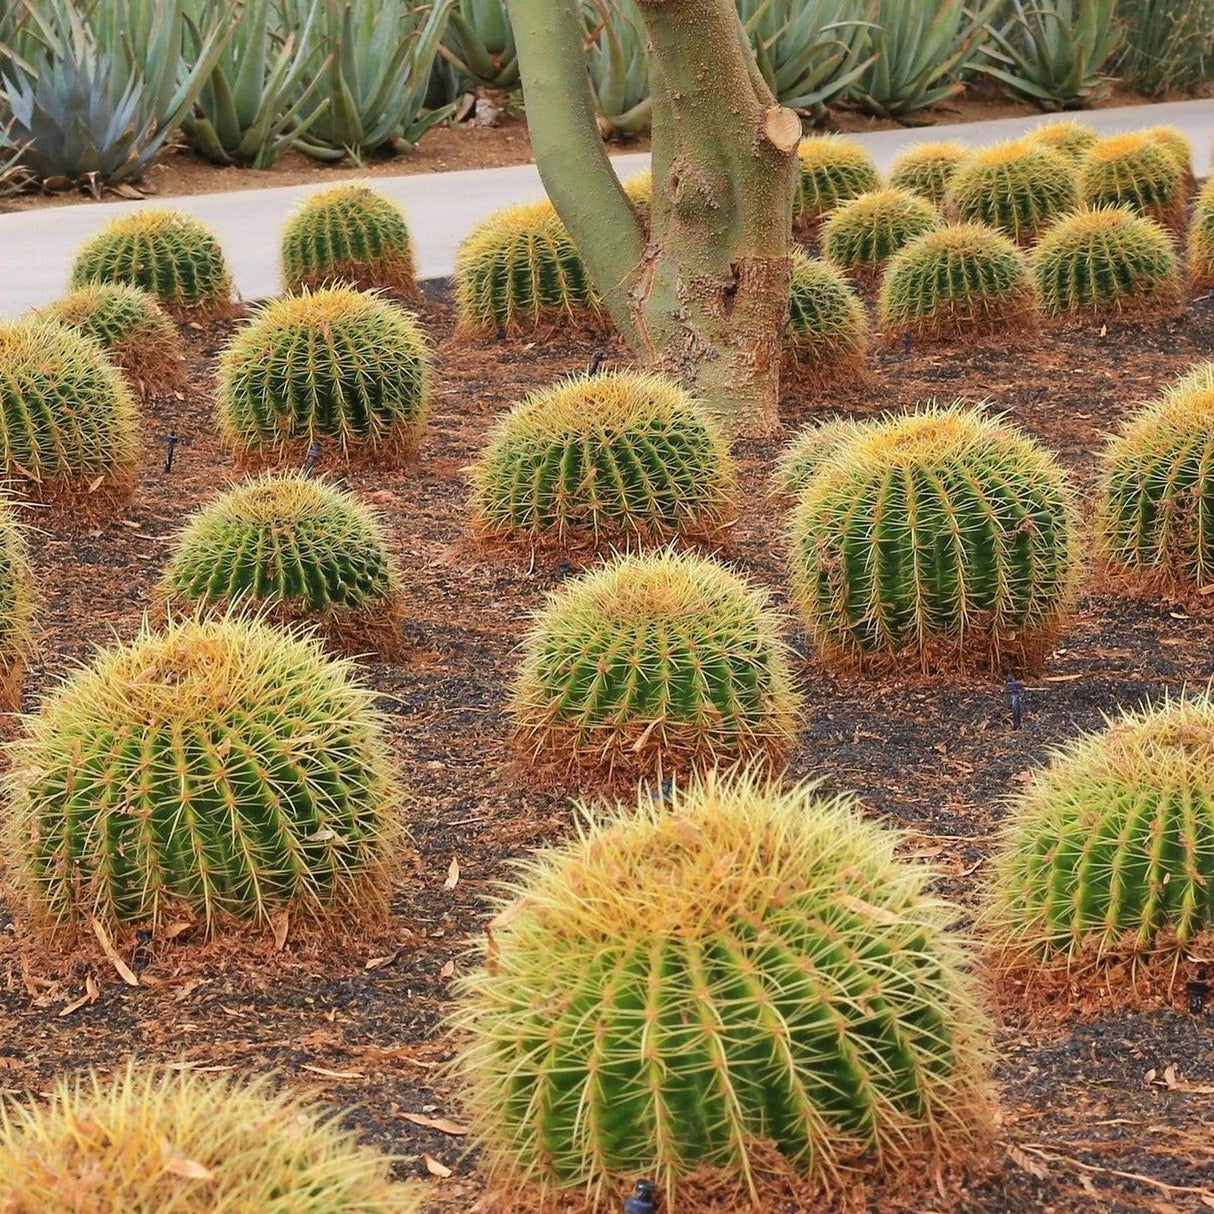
(652, 663)
(621, 452)
(657, 998)
(1110, 848)
(171, 255)
(832, 170)
(119, 1137)
(1134, 171)
(813, 447)
(220, 766)
(943, 533)
(330, 364)
(1106, 262)
(348, 234)
(927, 168)
(1073, 139)
(1200, 259)
(827, 325)
(1019, 188)
(959, 279)
(519, 270)
(1157, 484)
(860, 235)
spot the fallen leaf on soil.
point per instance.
(103, 938)
(436, 1123)
(328, 1074)
(435, 1168)
(1062, 678)
(1027, 1164)
(378, 963)
(91, 991)
(452, 875)
(447, 970)
(281, 924)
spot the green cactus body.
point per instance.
(827, 331)
(1018, 188)
(518, 271)
(16, 608)
(221, 766)
(297, 547)
(687, 989)
(348, 235)
(1073, 139)
(172, 256)
(958, 281)
(334, 364)
(944, 535)
(927, 168)
(859, 236)
(812, 448)
(653, 663)
(69, 432)
(133, 330)
(1156, 513)
(1201, 240)
(604, 455)
(1136, 172)
(832, 170)
(1109, 849)
(1104, 264)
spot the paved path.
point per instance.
(36, 246)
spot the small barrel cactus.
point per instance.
(16, 608)
(350, 235)
(604, 456)
(132, 329)
(518, 271)
(1156, 513)
(221, 767)
(832, 170)
(827, 331)
(1177, 145)
(335, 364)
(1106, 263)
(945, 536)
(153, 1139)
(1200, 259)
(173, 256)
(813, 447)
(927, 168)
(297, 549)
(958, 281)
(1109, 850)
(650, 664)
(1018, 188)
(1072, 138)
(69, 432)
(1135, 172)
(639, 188)
(698, 987)
(859, 236)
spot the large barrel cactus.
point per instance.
(348, 235)
(691, 991)
(298, 550)
(1134, 171)
(69, 432)
(1072, 138)
(927, 168)
(826, 337)
(832, 170)
(650, 664)
(174, 257)
(1201, 241)
(332, 366)
(219, 768)
(941, 538)
(1109, 850)
(861, 235)
(603, 456)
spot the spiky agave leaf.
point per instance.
(220, 767)
(149, 1140)
(1134, 171)
(832, 170)
(1200, 261)
(297, 549)
(943, 537)
(827, 331)
(810, 450)
(173, 256)
(600, 456)
(1072, 138)
(961, 280)
(686, 986)
(1109, 850)
(860, 235)
(333, 364)
(927, 168)
(348, 234)
(69, 432)
(652, 664)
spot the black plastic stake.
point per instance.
(312, 460)
(644, 1199)
(1015, 700)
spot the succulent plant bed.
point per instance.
(1103, 1107)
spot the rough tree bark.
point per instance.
(703, 297)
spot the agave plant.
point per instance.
(618, 65)
(12, 175)
(922, 48)
(479, 43)
(257, 100)
(372, 62)
(1054, 51)
(810, 51)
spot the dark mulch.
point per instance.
(1109, 1112)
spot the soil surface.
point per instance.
(1102, 1109)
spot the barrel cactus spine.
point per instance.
(832, 170)
(827, 335)
(859, 236)
(927, 168)
(1134, 171)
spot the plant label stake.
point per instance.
(1197, 988)
(313, 457)
(1015, 700)
(171, 441)
(643, 1199)
(596, 362)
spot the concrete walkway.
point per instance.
(36, 246)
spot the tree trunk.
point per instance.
(705, 298)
